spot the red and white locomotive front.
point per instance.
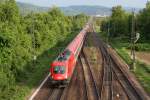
(60, 68)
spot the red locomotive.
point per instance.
(62, 68)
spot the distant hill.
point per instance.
(71, 10)
(89, 10)
(27, 8)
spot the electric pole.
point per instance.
(33, 39)
(132, 42)
(108, 34)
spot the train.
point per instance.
(62, 67)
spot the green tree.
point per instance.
(119, 22)
(79, 21)
(143, 21)
(9, 12)
(22, 37)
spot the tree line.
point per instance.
(23, 37)
(120, 23)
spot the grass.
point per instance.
(120, 47)
(141, 47)
(142, 71)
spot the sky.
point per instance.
(107, 3)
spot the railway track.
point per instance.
(107, 83)
(115, 77)
(56, 94)
(130, 90)
(82, 87)
(91, 87)
(114, 82)
(70, 90)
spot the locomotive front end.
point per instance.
(59, 68)
(58, 71)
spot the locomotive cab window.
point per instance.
(59, 69)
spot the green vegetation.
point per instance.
(143, 19)
(22, 38)
(121, 50)
(97, 23)
(141, 47)
(119, 24)
(142, 72)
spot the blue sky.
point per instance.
(107, 3)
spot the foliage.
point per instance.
(142, 73)
(144, 22)
(80, 20)
(120, 28)
(142, 70)
(120, 47)
(117, 23)
(140, 47)
(120, 23)
(22, 38)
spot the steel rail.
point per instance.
(133, 93)
(84, 60)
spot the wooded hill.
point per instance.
(72, 10)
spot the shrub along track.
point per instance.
(101, 79)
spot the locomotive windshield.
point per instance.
(59, 69)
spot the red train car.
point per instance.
(62, 68)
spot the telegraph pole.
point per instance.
(108, 34)
(132, 42)
(33, 40)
